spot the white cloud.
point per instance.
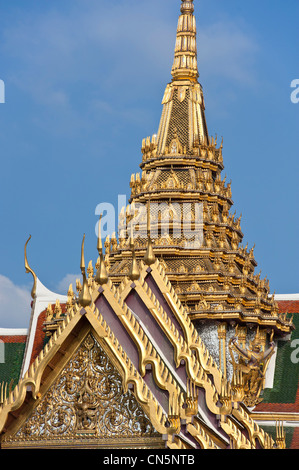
(15, 301)
(63, 285)
(15, 304)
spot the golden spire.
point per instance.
(84, 297)
(101, 275)
(29, 270)
(149, 257)
(134, 271)
(185, 56)
(183, 126)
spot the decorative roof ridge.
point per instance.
(192, 338)
(131, 375)
(147, 351)
(191, 335)
(253, 429)
(199, 433)
(281, 297)
(32, 376)
(250, 424)
(13, 331)
(183, 351)
(193, 367)
(238, 439)
(43, 297)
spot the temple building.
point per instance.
(170, 339)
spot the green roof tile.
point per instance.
(11, 367)
(286, 376)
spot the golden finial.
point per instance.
(134, 271)
(185, 58)
(49, 314)
(70, 292)
(82, 263)
(101, 275)
(70, 296)
(84, 297)
(57, 309)
(90, 269)
(149, 257)
(78, 286)
(29, 270)
(187, 7)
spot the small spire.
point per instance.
(84, 297)
(134, 273)
(185, 56)
(29, 270)
(101, 275)
(70, 296)
(149, 257)
(183, 97)
(82, 262)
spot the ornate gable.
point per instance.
(86, 406)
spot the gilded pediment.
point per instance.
(86, 405)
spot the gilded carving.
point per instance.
(87, 401)
(252, 366)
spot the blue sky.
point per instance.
(84, 81)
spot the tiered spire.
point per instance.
(183, 125)
(182, 169)
(185, 58)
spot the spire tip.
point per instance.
(187, 6)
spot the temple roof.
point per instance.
(147, 331)
(151, 303)
(274, 399)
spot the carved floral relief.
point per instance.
(87, 401)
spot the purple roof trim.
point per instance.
(135, 303)
(118, 329)
(155, 289)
